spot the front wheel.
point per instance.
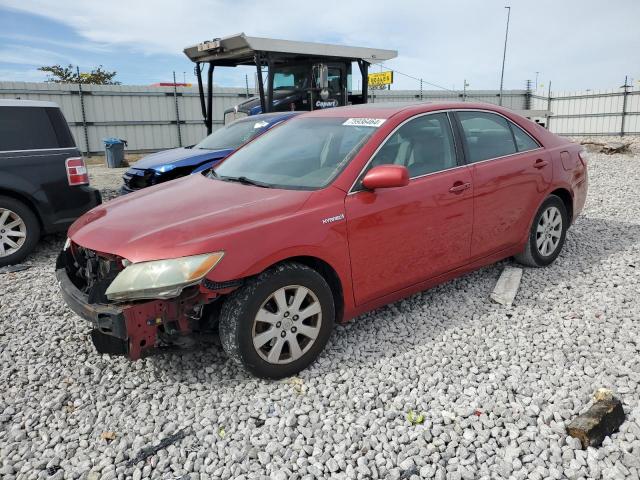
(547, 235)
(279, 322)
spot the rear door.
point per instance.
(511, 173)
(401, 236)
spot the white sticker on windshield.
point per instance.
(365, 122)
(260, 124)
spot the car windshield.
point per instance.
(232, 136)
(304, 153)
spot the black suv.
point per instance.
(44, 184)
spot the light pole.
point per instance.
(537, 81)
(504, 53)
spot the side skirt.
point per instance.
(432, 282)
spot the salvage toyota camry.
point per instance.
(327, 216)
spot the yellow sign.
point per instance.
(382, 78)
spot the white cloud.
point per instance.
(87, 47)
(22, 75)
(24, 55)
(576, 43)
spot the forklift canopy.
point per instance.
(240, 49)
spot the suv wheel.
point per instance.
(279, 322)
(547, 234)
(19, 231)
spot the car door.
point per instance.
(401, 236)
(511, 173)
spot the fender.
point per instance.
(26, 191)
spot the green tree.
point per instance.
(68, 74)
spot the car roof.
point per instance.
(389, 109)
(9, 102)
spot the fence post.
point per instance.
(624, 105)
(175, 99)
(84, 116)
(549, 108)
(527, 96)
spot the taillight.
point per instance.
(583, 156)
(77, 171)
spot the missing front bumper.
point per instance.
(129, 330)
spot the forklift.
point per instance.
(300, 75)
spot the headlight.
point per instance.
(161, 278)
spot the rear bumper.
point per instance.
(82, 199)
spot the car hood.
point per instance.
(179, 157)
(188, 216)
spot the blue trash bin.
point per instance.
(114, 151)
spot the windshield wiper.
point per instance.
(246, 181)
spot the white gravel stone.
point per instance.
(496, 385)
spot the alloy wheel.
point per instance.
(287, 324)
(13, 232)
(549, 231)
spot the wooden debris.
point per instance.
(602, 394)
(601, 420)
(110, 436)
(615, 147)
(507, 286)
(609, 148)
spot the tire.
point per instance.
(272, 296)
(544, 246)
(19, 231)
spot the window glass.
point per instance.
(423, 145)
(287, 78)
(524, 141)
(65, 139)
(302, 153)
(26, 128)
(487, 135)
(232, 135)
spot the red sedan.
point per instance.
(330, 215)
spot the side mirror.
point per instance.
(322, 76)
(386, 176)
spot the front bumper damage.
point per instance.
(132, 329)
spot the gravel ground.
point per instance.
(496, 385)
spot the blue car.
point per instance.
(178, 162)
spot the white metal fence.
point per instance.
(156, 118)
(591, 113)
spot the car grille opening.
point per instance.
(135, 182)
(91, 272)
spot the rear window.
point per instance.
(524, 141)
(487, 135)
(33, 128)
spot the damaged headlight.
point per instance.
(161, 278)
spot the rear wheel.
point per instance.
(547, 234)
(19, 231)
(279, 322)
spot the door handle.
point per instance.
(459, 187)
(540, 163)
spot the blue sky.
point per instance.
(576, 44)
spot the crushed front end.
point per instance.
(132, 328)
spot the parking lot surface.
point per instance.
(495, 385)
